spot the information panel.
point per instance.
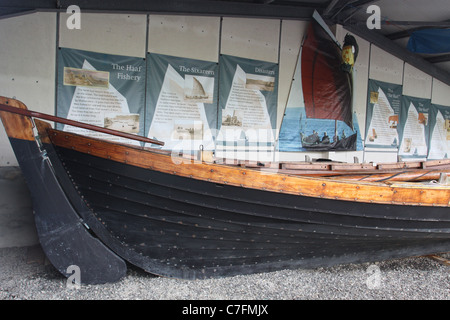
(181, 102)
(103, 90)
(383, 112)
(247, 108)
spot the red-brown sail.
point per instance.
(327, 90)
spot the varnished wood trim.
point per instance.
(422, 175)
(42, 128)
(269, 180)
(16, 126)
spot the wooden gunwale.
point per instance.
(271, 180)
(410, 175)
(386, 177)
(387, 172)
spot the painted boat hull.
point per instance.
(180, 227)
(63, 236)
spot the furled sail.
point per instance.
(327, 89)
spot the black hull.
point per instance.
(63, 237)
(186, 228)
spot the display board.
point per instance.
(103, 90)
(413, 128)
(181, 102)
(382, 115)
(247, 106)
(439, 124)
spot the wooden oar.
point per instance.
(34, 114)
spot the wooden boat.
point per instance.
(99, 205)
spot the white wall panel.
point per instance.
(27, 59)
(385, 67)
(416, 83)
(256, 39)
(120, 34)
(440, 93)
(185, 36)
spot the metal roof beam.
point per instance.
(302, 11)
(360, 3)
(20, 7)
(428, 24)
(400, 52)
(434, 24)
(438, 58)
(296, 10)
(353, 5)
(404, 33)
(330, 7)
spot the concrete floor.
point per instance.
(17, 228)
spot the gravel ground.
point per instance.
(404, 279)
